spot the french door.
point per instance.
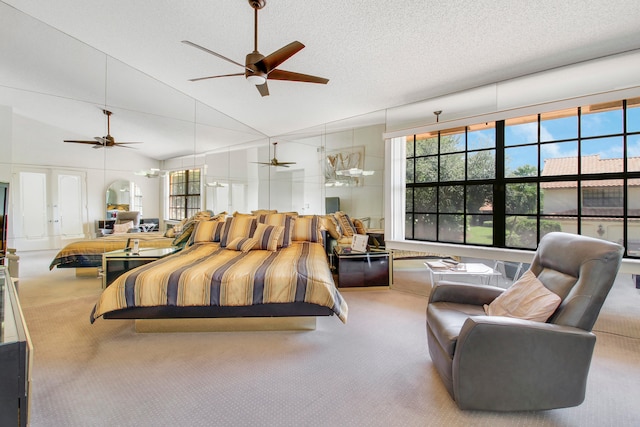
(49, 208)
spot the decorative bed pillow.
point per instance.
(346, 226)
(122, 228)
(184, 235)
(237, 226)
(267, 236)
(307, 228)
(207, 231)
(264, 211)
(329, 223)
(359, 225)
(526, 299)
(285, 220)
(202, 216)
(243, 244)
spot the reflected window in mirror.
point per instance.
(184, 194)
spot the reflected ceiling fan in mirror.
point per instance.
(259, 68)
(274, 161)
(104, 141)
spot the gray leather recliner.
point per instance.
(126, 216)
(507, 364)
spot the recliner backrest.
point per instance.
(581, 270)
(126, 216)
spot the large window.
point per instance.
(184, 194)
(508, 183)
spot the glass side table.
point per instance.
(116, 263)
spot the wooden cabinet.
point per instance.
(15, 357)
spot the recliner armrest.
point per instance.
(499, 361)
(464, 293)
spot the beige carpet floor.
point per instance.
(373, 371)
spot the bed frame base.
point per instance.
(87, 272)
(236, 324)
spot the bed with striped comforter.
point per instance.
(88, 253)
(207, 275)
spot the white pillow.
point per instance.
(526, 299)
(122, 228)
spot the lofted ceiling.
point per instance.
(376, 54)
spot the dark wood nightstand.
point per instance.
(359, 269)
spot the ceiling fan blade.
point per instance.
(285, 163)
(270, 62)
(125, 143)
(215, 54)
(263, 89)
(215, 77)
(296, 77)
(82, 142)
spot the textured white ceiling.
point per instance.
(377, 54)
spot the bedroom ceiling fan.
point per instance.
(104, 141)
(274, 161)
(259, 68)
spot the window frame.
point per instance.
(500, 183)
(186, 203)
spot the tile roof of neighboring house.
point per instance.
(590, 165)
(605, 212)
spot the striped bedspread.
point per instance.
(88, 253)
(206, 274)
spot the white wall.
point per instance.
(6, 148)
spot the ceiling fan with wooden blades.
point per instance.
(274, 161)
(259, 68)
(104, 141)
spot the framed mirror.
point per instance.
(123, 196)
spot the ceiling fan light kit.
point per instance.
(259, 68)
(256, 79)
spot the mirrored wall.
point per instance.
(39, 109)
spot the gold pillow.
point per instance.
(359, 225)
(184, 235)
(346, 226)
(307, 228)
(207, 231)
(242, 244)
(264, 211)
(285, 220)
(267, 236)
(329, 223)
(237, 226)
